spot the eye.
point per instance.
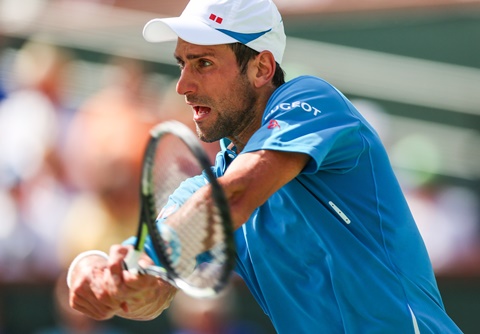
(205, 63)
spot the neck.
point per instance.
(241, 138)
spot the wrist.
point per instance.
(80, 257)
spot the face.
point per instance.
(223, 100)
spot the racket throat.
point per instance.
(131, 261)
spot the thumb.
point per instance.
(115, 263)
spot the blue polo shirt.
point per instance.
(336, 250)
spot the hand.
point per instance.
(101, 289)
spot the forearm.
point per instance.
(253, 177)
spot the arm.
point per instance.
(253, 177)
(249, 181)
(101, 289)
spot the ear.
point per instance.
(263, 69)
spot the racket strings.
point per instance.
(202, 246)
(200, 232)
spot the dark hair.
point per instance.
(244, 54)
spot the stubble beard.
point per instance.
(231, 121)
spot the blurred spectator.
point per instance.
(447, 216)
(32, 195)
(104, 150)
(448, 220)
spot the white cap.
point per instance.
(255, 23)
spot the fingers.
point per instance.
(133, 289)
(89, 305)
(102, 290)
(97, 289)
(116, 258)
(127, 288)
(114, 276)
(89, 296)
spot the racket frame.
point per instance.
(149, 214)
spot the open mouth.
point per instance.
(200, 111)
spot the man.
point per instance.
(325, 240)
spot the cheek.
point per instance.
(224, 95)
(230, 91)
(237, 91)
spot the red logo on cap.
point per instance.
(216, 18)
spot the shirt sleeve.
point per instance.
(308, 115)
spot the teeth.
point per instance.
(203, 110)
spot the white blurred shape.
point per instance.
(15, 15)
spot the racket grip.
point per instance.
(131, 261)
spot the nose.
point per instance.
(186, 82)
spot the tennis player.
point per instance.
(326, 242)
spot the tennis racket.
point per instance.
(194, 243)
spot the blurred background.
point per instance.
(79, 89)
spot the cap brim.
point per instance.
(187, 28)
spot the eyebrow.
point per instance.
(192, 56)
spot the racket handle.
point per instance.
(131, 261)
